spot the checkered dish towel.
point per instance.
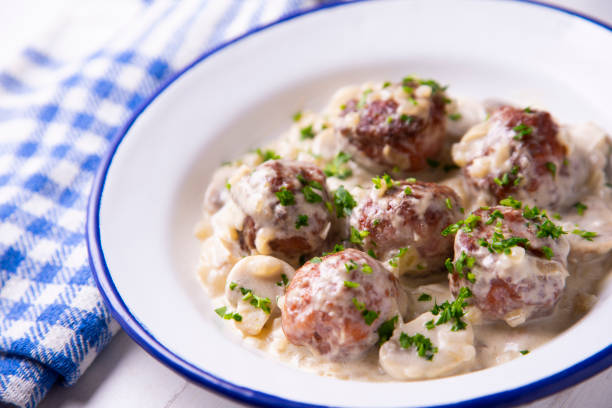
(58, 115)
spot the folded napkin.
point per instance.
(62, 100)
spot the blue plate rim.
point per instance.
(139, 333)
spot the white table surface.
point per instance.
(124, 375)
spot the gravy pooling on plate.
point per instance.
(403, 235)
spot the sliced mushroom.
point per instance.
(455, 350)
(253, 287)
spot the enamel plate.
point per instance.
(146, 198)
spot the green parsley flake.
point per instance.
(285, 196)
(454, 116)
(258, 302)
(315, 260)
(307, 133)
(464, 263)
(528, 109)
(406, 118)
(385, 330)
(350, 266)
(224, 314)
(367, 269)
(549, 229)
(284, 280)
(338, 168)
(522, 130)
(358, 236)
(302, 221)
(386, 84)
(297, 116)
(267, 155)
(424, 297)
(228, 185)
(378, 181)
(449, 205)
(233, 285)
(351, 284)
(505, 180)
(394, 261)
(408, 190)
(422, 344)
(511, 202)
(552, 168)
(523, 352)
(364, 98)
(588, 235)
(453, 310)
(372, 253)
(344, 202)
(580, 208)
(467, 225)
(557, 216)
(310, 195)
(548, 253)
(369, 316)
(493, 216)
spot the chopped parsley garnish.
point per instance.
(548, 253)
(350, 265)
(467, 225)
(580, 208)
(302, 221)
(406, 118)
(424, 297)
(423, 345)
(390, 119)
(233, 285)
(306, 133)
(432, 163)
(351, 284)
(358, 236)
(364, 98)
(522, 130)
(463, 263)
(378, 181)
(430, 324)
(505, 180)
(367, 269)
(454, 310)
(337, 167)
(262, 303)
(454, 116)
(310, 195)
(315, 260)
(533, 213)
(552, 168)
(372, 254)
(394, 261)
(549, 229)
(368, 315)
(267, 155)
(376, 222)
(224, 314)
(228, 185)
(411, 180)
(386, 84)
(493, 216)
(588, 235)
(284, 280)
(408, 89)
(511, 202)
(297, 116)
(408, 190)
(449, 205)
(311, 183)
(337, 248)
(528, 109)
(344, 202)
(285, 196)
(385, 330)
(557, 216)
(523, 352)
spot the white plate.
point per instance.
(147, 195)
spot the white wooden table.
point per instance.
(124, 375)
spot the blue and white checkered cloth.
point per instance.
(57, 118)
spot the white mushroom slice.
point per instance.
(455, 351)
(253, 286)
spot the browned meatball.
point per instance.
(399, 126)
(520, 152)
(407, 216)
(336, 304)
(514, 261)
(284, 206)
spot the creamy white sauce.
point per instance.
(486, 343)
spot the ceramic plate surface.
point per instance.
(147, 196)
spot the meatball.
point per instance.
(514, 262)
(284, 206)
(395, 126)
(403, 220)
(335, 304)
(523, 153)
